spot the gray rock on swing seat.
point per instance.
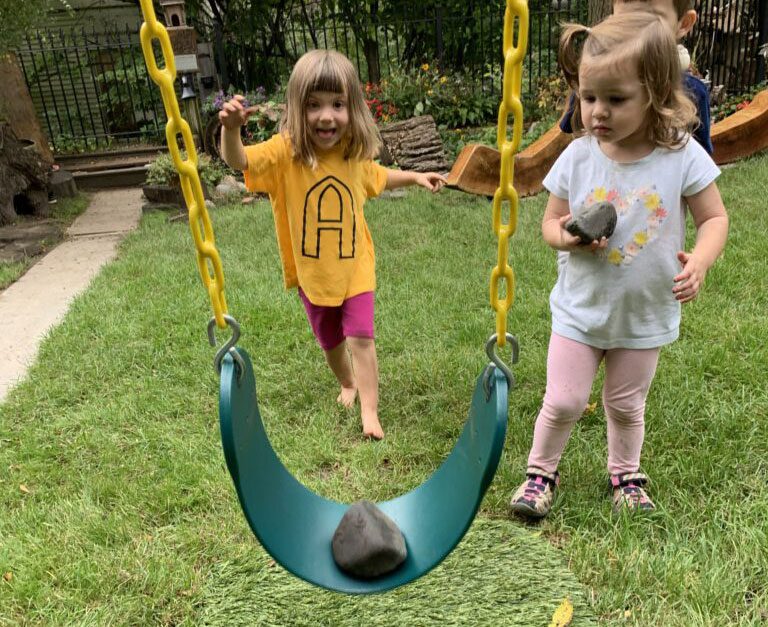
(296, 526)
(367, 542)
(596, 221)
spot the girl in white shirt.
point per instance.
(618, 300)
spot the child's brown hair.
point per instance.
(681, 6)
(641, 38)
(330, 71)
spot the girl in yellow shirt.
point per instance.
(318, 172)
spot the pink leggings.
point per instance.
(571, 369)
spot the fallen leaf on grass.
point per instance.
(563, 615)
(24, 488)
(8, 576)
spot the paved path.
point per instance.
(38, 300)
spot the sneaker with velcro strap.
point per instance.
(534, 498)
(629, 493)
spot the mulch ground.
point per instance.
(29, 238)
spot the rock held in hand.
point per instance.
(595, 222)
(367, 543)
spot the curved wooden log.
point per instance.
(476, 169)
(743, 133)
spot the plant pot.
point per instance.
(163, 195)
(169, 194)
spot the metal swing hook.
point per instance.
(496, 362)
(228, 347)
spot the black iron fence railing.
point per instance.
(91, 89)
(468, 42)
(726, 42)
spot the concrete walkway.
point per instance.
(38, 301)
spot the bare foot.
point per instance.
(347, 397)
(371, 427)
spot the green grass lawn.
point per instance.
(117, 508)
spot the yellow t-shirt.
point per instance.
(324, 241)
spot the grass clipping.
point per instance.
(500, 574)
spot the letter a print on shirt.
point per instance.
(329, 220)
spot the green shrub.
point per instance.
(162, 171)
(453, 99)
(551, 97)
(455, 139)
(262, 124)
(124, 90)
(736, 102)
(540, 113)
(214, 102)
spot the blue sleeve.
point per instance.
(698, 92)
(565, 121)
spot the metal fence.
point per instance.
(726, 42)
(91, 89)
(469, 41)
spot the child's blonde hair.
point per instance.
(330, 71)
(641, 38)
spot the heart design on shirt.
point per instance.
(644, 199)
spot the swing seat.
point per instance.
(295, 525)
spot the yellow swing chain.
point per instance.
(208, 259)
(514, 52)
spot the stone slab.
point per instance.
(39, 300)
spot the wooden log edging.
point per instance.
(476, 169)
(743, 133)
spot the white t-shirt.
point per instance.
(622, 297)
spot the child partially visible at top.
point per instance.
(618, 300)
(318, 172)
(680, 17)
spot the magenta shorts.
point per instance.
(353, 318)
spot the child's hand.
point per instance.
(571, 243)
(233, 114)
(433, 181)
(689, 281)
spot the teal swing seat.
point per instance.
(295, 525)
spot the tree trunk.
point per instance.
(371, 51)
(416, 145)
(16, 106)
(598, 10)
(23, 178)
